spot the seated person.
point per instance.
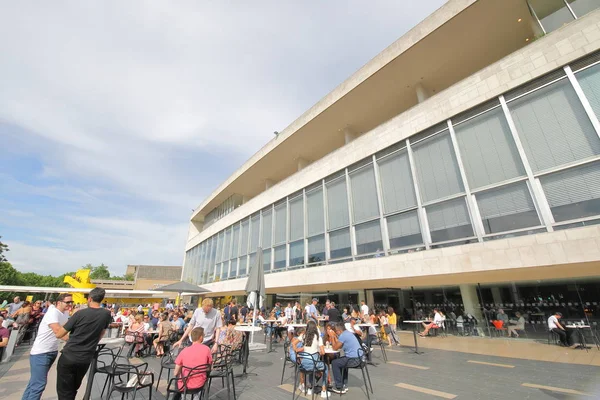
(349, 343)
(191, 357)
(516, 325)
(4, 334)
(228, 336)
(313, 345)
(556, 327)
(163, 335)
(501, 316)
(437, 322)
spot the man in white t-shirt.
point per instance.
(204, 317)
(45, 348)
(364, 309)
(556, 327)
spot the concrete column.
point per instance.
(349, 135)
(422, 92)
(302, 163)
(269, 183)
(370, 299)
(497, 296)
(471, 302)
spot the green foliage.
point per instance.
(3, 249)
(8, 275)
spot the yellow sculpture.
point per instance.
(81, 280)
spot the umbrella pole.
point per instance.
(254, 318)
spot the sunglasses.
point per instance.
(68, 302)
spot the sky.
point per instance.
(118, 118)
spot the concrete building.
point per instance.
(459, 167)
(145, 277)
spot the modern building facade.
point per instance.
(461, 166)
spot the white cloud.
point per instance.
(137, 110)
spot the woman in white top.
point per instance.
(516, 325)
(437, 322)
(313, 345)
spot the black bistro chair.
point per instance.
(360, 362)
(222, 367)
(137, 377)
(173, 386)
(107, 363)
(379, 342)
(286, 358)
(167, 362)
(316, 366)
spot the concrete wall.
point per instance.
(559, 48)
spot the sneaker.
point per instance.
(345, 389)
(324, 394)
(301, 387)
(309, 392)
(371, 349)
(336, 390)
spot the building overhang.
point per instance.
(460, 38)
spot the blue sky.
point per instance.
(119, 118)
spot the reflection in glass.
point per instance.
(296, 218)
(507, 208)
(244, 237)
(574, 193)
(316, 249)
(552, 14)
(297, 253)
(279, 234)
(589, 80)
(314, 210)
(449, 220)
(267, 228)
(267, 260)
(582, 7)
(339, 243)
(254, 232)
(279, 261)
(368, 238)
(404, 230)
(242, 266)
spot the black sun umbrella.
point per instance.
(182, 287)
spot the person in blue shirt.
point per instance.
(347, 341)
(312, 310)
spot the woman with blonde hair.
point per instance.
(135, 334)
(164, 329)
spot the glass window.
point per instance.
(364, 194)
(368, 238)
(213, 250)
(280, 223)
(339, 243)
(219, 248)
(589, 80)
(507, 208)
(254, 232)
(296, 218)
(316, 249)
(297, 253)
(314, 211)
(449, 220)
(552, 13)
(397, 186)
(337, 204)
(242, 266)
(553, 126)
(279, 261)
(267, 260)
(235, 244)
(233, 269)
(245, 235)
(227, 245)
(267, 228)
(436, 168)
(488, 150)
(251, 261)
(574, 193)
(582, 7)
(404, 230)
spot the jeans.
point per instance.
(40, 365)
(562, 335)
(69, 374)
(340, 371)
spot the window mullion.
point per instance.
(420, 210)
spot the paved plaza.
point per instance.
(517, 371)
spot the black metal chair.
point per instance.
(138, 339)
(316, 366)
(173, 385)
(379, 342)
(222, 367)
(167, 362)
(137, 377)
(286, 358)
(109, 366)
(360, 362)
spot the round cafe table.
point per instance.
(246, 349)
(101, 344)
(579, 329)
(416, 325)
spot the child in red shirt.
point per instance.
(190, 357)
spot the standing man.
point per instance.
(85, 328)
(289, 313)
(233, 310)
(312, 309)
(204, 317)
(333, 313)
(45, 348)
(364, 309)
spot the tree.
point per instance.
(8, 275)
(3, 249)
(100, 272)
